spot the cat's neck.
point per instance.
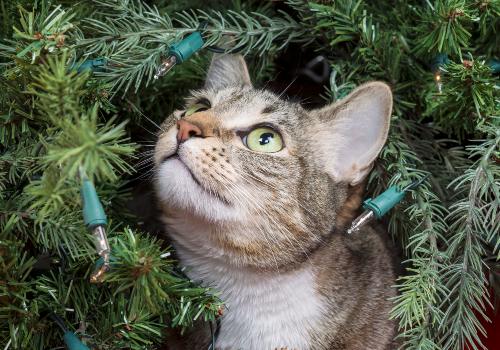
(269, 309)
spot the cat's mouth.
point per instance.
(176, 158)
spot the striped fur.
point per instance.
(267, 229)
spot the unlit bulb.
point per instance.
(104, 251)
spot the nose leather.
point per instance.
(186, 130)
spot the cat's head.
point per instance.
(265, 177)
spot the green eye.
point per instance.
(263, 139)
(198, 107)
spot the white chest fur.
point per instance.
(268, 312)
(263, 310)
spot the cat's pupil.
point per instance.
(265, 138)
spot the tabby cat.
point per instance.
(256, 193)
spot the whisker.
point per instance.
(301, 247)
(147, 152)
(265, 235)
(142, 114)
(277, 189)
(289, 85)
(149, 131)
(142, 166)
(147, 155)
(148, 175)
(147, 143)
(257, 206)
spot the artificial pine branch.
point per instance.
(63, 135)
(445, 27)
(53, 121)
(141, 36)
(423, 225)
(475, 226)
(470, 98)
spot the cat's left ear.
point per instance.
(351, 132)
(227, 70)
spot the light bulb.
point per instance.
(166, 65)
(437, 79)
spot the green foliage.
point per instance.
(489, 22)
(77, 140)
(475, 230)
(141, 36)
(57, 124)
(43, 29)
(469, 98)
(141, 267)
(448, 228)
(446, 27)
(343, 19)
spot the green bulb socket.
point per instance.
(100, 262)
(185, 48)
(73, 343)
(93, 212)
(438, 61)
(95, 65)
(384, 202)
(494, 65)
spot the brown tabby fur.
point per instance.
(247, 213)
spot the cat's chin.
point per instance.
(177, 188)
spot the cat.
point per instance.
(256, 193)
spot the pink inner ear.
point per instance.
(358, 130)
(227, 70)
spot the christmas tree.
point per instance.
(79, 105)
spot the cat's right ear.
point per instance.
(227, 70)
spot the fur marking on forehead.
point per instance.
(278, 203)
(241, 107)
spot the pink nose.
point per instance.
(187, 130)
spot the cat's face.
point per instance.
(265, 176)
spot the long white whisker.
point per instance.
(274, 188)
(142, 114)
(287, 234)
(149, 131)
(289, 85)
(296, 241)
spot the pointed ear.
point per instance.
(227, 70)
(351, 132)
